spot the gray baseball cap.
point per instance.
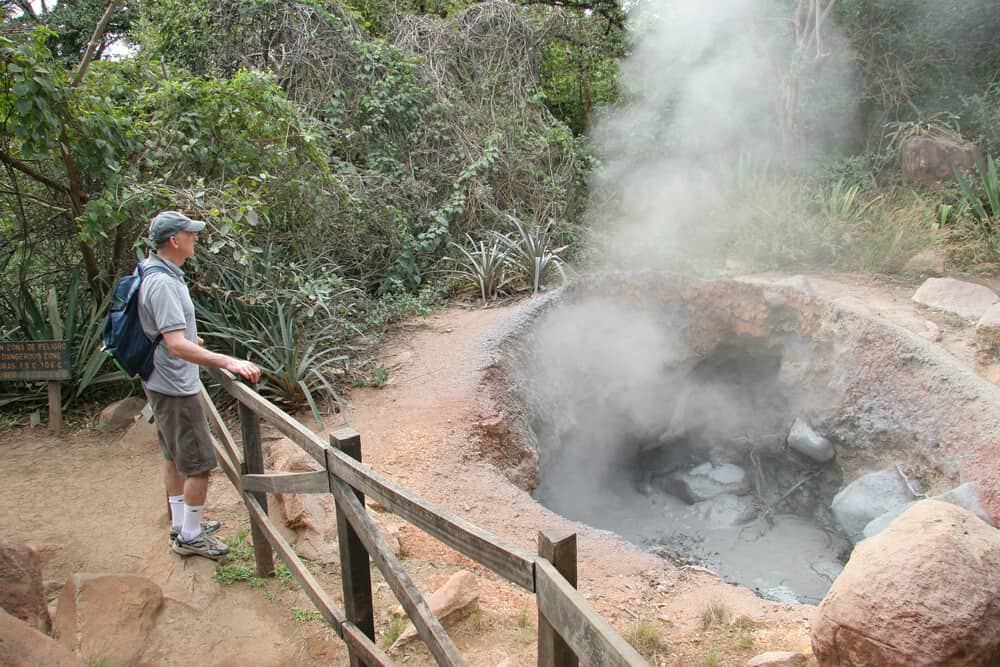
(169, 223)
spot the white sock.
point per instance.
(192, 522)
(176, 512)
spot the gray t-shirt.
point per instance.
(165, 305)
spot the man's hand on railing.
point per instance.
(245, 369)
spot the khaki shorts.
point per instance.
(182, 430)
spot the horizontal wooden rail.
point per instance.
(347, 631)
(288, 482)
(590, 637)
(507, 560)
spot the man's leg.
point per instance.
(174, 483)
(195, 494)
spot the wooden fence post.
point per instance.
(559, 548)
(355, 567)
(253, 464)
(55, 407)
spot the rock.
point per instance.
(967, 496)
(987, 353)
(866, 498)
(797, 283)
(891, 607)
(107, 616)
(967, 300)
(22, 593)
(140, 435)
(725, 510)
(927, 160)
(23, 646)
(120, 415)
(931, 332)
(780, 593)
(707, 481)
(927, 261)
(778, 659)
(805, 441)
(453, 601)
(310, 517)
(881, 522)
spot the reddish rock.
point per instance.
(109, 616)
(927, 160)
(925, 591)
(310, 518)
(453, 601)
(120, 415)
(23, 646)
(21, 591)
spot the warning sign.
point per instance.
(34, 360)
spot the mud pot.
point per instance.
(716, 422)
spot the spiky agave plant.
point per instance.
(531, 253)
(484, 264)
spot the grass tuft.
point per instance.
(716, 613)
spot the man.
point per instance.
(173, 388)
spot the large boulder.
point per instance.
(958, 297)
(23, 646)
(21, 590)
(925, 591)
(107, 616)
(927, 160)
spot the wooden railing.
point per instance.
(569, 630)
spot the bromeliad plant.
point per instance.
(985, 209)
(484, 265)
(531, 254)
(292, 321)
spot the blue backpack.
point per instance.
(124, 340)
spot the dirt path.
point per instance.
(93, 503)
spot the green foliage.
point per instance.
(392, 633)
(579, 68)
(239, 549)
(228, 574)
(983, 197)
(282, 573)
(841, 202)
(531, 254)
(645, 637)
(484, 266)
(306, 615)
(73, 319)
(378, 378)
(295, 326)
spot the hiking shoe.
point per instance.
(208, 546)
(209, 527)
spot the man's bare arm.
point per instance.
(182, 348)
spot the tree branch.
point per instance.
(28, 170)
(95, 39)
